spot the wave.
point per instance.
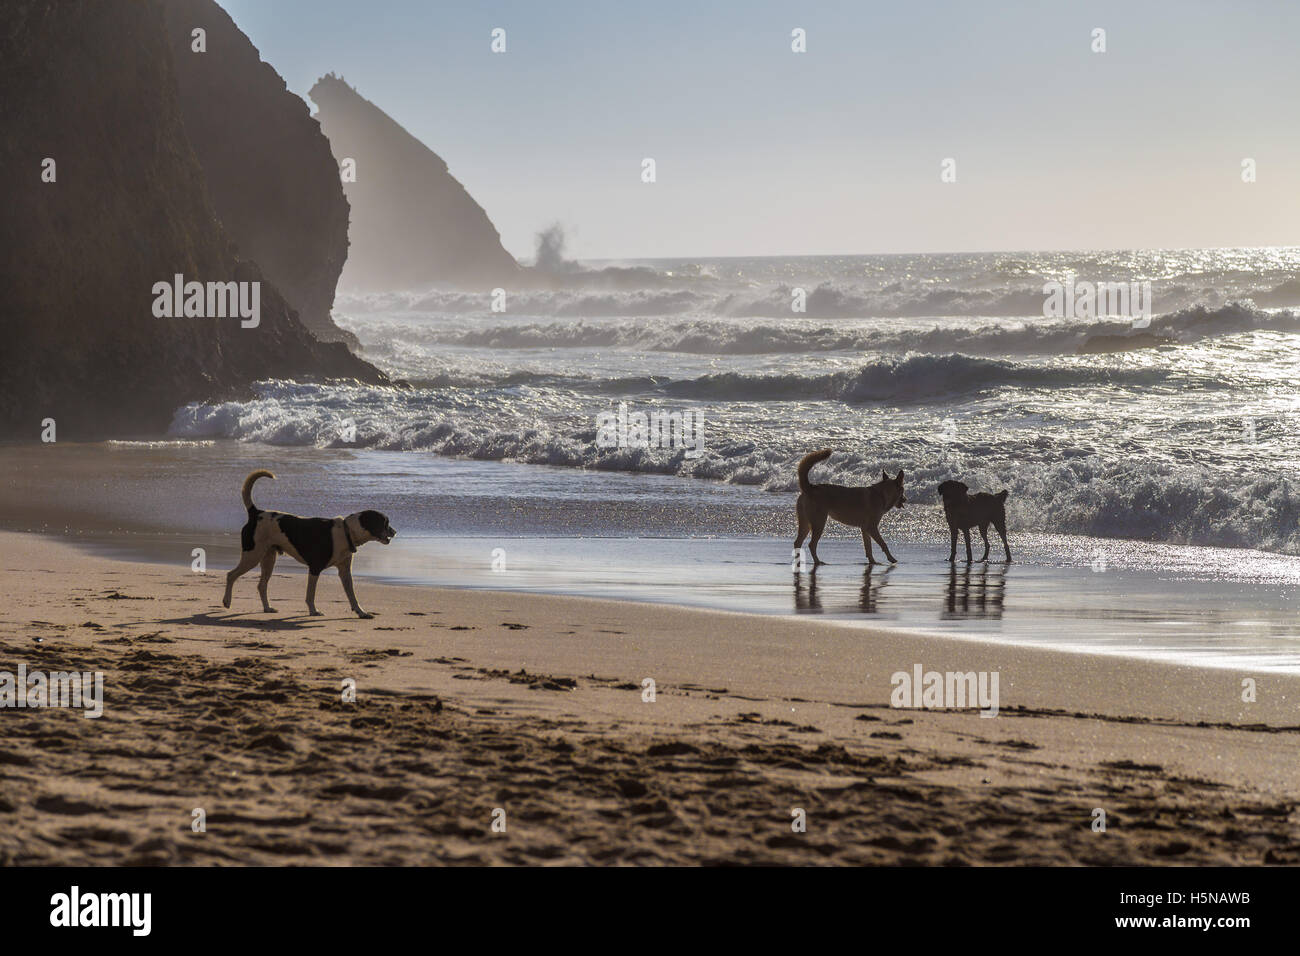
(698, 294)
(1053, 488)
(830, 300)
(1283, 294)
(708, 336)
(564, 303)
(912, 378)
(825, 300)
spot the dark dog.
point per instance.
(319, 543)
(860, 507)
(965, 511)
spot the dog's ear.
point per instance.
(899, 479)
(884, 475)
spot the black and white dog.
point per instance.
(319, 543)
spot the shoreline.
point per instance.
(1202, 688)
(468, 700)
(625, 537)
(843, 594)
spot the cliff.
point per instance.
(90, 85)
(271, 177)
(413, 225)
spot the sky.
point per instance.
(838, 150)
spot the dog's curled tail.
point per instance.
(248, 485)
(1002, 495)
(806, 464)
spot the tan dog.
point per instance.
(860, 507)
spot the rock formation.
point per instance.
(272, 179)
(413, 225)
(89, 85)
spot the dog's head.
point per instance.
(952, 490)
(893, 490)
(376, 525)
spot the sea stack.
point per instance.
(413, 226)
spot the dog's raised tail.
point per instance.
(248, 485)
(806, 464)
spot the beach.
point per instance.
(475, 706)
(648, 436)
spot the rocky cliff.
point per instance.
(413, 224)
(89, 85)
(272, 179)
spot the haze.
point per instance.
(762, 151)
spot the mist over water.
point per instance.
(942, 365)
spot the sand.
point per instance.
(476, 708)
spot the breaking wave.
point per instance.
(911, 378)
(710, 336)
(1053, 488)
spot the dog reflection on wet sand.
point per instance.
(975, 594)
(807, 598)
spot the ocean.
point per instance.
(940, 365)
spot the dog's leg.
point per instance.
(804, 526)
(345, 575)
(268, 565)
(866, 546)
(247, 561)
(966, 534)
(1001, 527)
(984, 533)
(952, 552)
(312, 580)
(818, 526)
(875, 533)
